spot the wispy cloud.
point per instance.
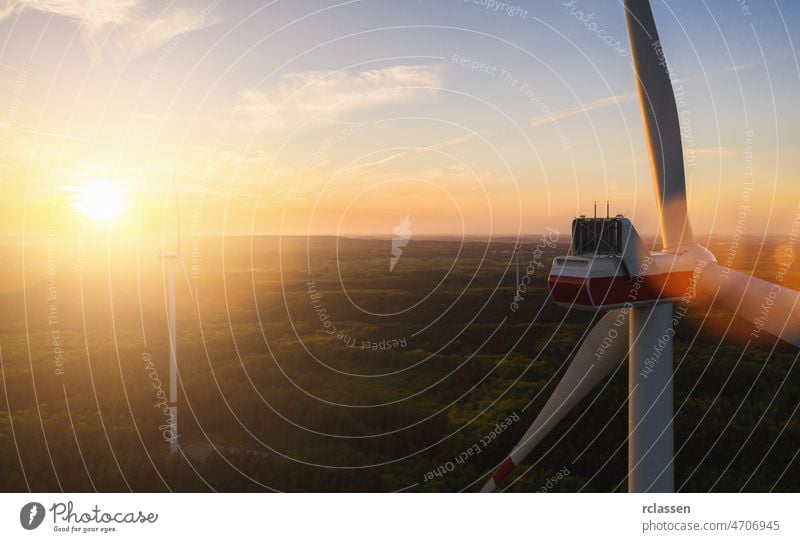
(583, 108)
(722, 71)
(435, 147)
(629, 96)
(130, 26)
(327, 96)
(692, 154)
(62, 136)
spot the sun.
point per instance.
(98, 199)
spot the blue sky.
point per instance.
(525, 110)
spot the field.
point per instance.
(307, 365)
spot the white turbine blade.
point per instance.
(661, 123)
(186, 277)
(177, 219)
(769, 307)
(604, 348)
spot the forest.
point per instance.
(306, 364)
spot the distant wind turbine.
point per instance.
(172, 259)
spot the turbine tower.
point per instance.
(609, 268)
(172, 259)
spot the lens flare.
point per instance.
(98, 200)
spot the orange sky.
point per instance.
(482, 129)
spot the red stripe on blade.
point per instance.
(502, 471)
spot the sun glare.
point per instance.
(98, 200)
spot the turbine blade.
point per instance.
(177, 219)
(768, 306)
(661, 123)
(605, 347)
(184, 272)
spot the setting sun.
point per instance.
(98, 200)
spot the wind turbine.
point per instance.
(609, 268)
(517, 247)
(172, 259)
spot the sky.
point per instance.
(469, 117)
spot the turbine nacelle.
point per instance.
(168, 255)
(609, 266)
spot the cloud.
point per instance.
(712, 152)
(630, 96)
(691, 155)
(583, 108)
(326, 96)
(62, 136)
(723, 71)
(127, 27)
(420, 150)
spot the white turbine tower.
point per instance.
(609, 268)
(172, 259)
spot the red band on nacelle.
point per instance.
(618, 289)
(502, 471)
